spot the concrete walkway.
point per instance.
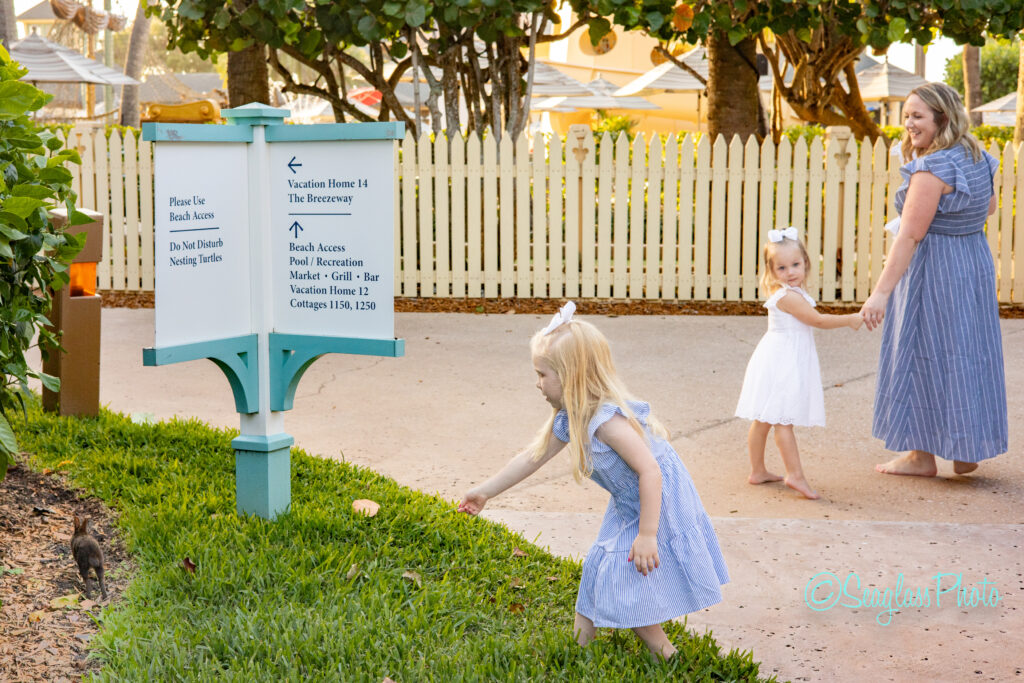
(462, 401)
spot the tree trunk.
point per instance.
(732, 87)
(919, 61)
(1018, 128)
(972, 82)
(450, 83)
(133, 62)
(247, 76)
(814, 90)
(8, 25)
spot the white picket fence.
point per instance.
(679, 219)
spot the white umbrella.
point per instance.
(600, 96)
(669, 78)
(49, 62)
(549, 81)
(999, 112)
(1004, 103)
(887, 84)
(883, 82)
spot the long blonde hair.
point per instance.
(770, 283)
(952, 125)
(581, 358)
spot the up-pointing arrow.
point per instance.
(296, 228)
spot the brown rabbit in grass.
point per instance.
(87, 553)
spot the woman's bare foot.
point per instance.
(801, 486)
(961, 467)
(914, 463)
(763, 477)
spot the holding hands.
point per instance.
(644, 554)
(873, 310)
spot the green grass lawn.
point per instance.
(320, 593)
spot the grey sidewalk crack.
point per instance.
(323, 385)
(718, 423)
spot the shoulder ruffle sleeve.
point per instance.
(773, 300)
(561, 426)
(947, 166)
(993, 163)
(799, 290)
(640, 410)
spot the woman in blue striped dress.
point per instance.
(656, 556)
(941, 390)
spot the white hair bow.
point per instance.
(563, 316)
(779, 235)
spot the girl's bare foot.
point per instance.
(665, 653)
(800, 485)
(914, 464)
(763, 477)
(961, 467)
(656, 641)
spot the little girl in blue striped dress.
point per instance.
(656, 556)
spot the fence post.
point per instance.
(578, 132)
(837, 156)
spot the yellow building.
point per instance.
(622, 57)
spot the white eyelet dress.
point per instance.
(782, 384)
(692, 570)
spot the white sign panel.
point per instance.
(332, 238)
(201, 242)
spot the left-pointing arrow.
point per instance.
(296, 228)
(292, 165)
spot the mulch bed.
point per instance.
(113, 299)
(41, 639)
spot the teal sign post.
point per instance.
(274, 245)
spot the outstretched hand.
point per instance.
(472, 503)
(644, 554)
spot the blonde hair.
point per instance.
(952, 125)
(770, 283)
(581, 358)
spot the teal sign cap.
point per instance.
(254, 114)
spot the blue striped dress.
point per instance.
(612, 592)
(941, 387)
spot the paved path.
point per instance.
(463, 400)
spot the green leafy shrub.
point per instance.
(613, 125)
(806, 131)
(34, 257)
(999, 62)
(1001, 135)
(894, 133)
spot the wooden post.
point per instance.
(578, 132)
(837, 138)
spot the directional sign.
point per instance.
(201, 242)
(332, 218)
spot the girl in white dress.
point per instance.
(782, 385)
